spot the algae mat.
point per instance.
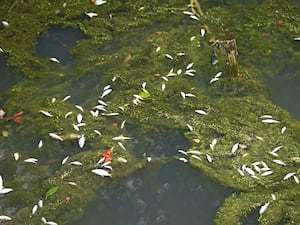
(152, 66)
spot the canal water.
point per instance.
(174, 194)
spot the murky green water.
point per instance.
(173, 193)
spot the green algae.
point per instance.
(234, 104)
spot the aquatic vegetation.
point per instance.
(155, 74)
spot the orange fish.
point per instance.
(16, 118)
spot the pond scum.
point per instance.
(238, 136)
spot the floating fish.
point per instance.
(64, 160)
(235, 147)
(34, 209)
(183, 159)
(91, 14)
(296, 179)
(4, 218)
(101, 172)
(202, 32)
(16, 156)
(79, 107)
(31, 160)
(287, 176)
(79, 118)
(66, 98)
(55, 136)
(40, 144)
(40, 203)
(68, 114)
(263, 208)
(4, 190)
(189, 66)
(46, 113)
(53, 59)
(209, 158)
(121, 138)
(190, 127)
(283, 129)
(201, 112)
(213, 80)
(98, 2)
(76, 163)
(169, 56)
(81, 141)
(270, 121)
(279, 162)
(5, 23)
(122, 146)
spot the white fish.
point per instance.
(51, 223)
(101, 172)
(55, 136)
(182, 94)
(1, 50)
(46, 113)
(241, 172)
(75, 127)
(138, 97)
(40, 203)
(106, 92)
(68, 114)
(213, 80)
(40, 144)
(183, 159)
(106, 87)
(235, 147)
(259, 138)
(179, 71)
(209, 158)
(4, 190)
(190, 95)
(16, 156)
(101, 160)
(189, 73)
(194, 17)
(66, 98)
(276, 149)
(213, 143)
(122, 146)
(121, 138)
(270, 121)
(53, 100)
(250, 171)
(267, 116)
(79, 118)
(53, 59)
(81, 141)
(190, 127)
(283, 129)
(273, 197)
(31, 160)
(99, 2)
(189, 66)
(163, 86)
(165, 78)
(263, 208)
(182, 152)
(188, 13)
(97, 132)
(279, 162)
(267, 173)
(3, 217)
(196, 152)
(94, 113)
(297, 39)
(202, 32)
(72, 183)
(76, 163)
(287, 176)
(200, 111)
(196, 157)
(5, 23)
(34, 209)
(64, 160)
(110, 114)
(169, 56)
(91, 14)
(296, 179)
(79, 107)
(218, 74)
(148, 159)
(157, 49)
(123, 124)
(102, 102)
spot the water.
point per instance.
(174, 194)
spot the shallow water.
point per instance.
(174, 194)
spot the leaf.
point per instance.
(144, 94)
(51, 191)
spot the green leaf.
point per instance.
(51, 191)
(144, 94)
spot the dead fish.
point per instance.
(102, 102)
(55, 136)
(97, 132)
(5, 23)
(283, 129)
(267, 116)
(121, 138)
(46, 113)
(202, 32)
(196, 157)
(279, 162)
(267, 173)
(189, 66)
(64, 160)
(79, 107)
(276, 149)
(209, 158)
(263, 208)
(66, 98)
(4, 218)
(101, 172)
(122, 146)
(68, 114)
(190, 127)
(287, 176)
(296, 179)
(40, 144)
(182, 152)
(213, 143)
(4, 190)
(91, 14)
(183, 159)
(53, 59)
(235, 147)
(76, 163)
(110, 114)
(81, 141)
(34, 209)
(169, 56)
(157, 49)
(123, 124)
(201, 112)
(31, 160)
(79, 118)
(270, 121)
(213, 80)
(16, 156)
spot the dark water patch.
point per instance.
(161, 144)
(9, 76)
(174, 194)
(57, 41)
(251, 219)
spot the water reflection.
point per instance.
(57, 41)
(174, 194)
